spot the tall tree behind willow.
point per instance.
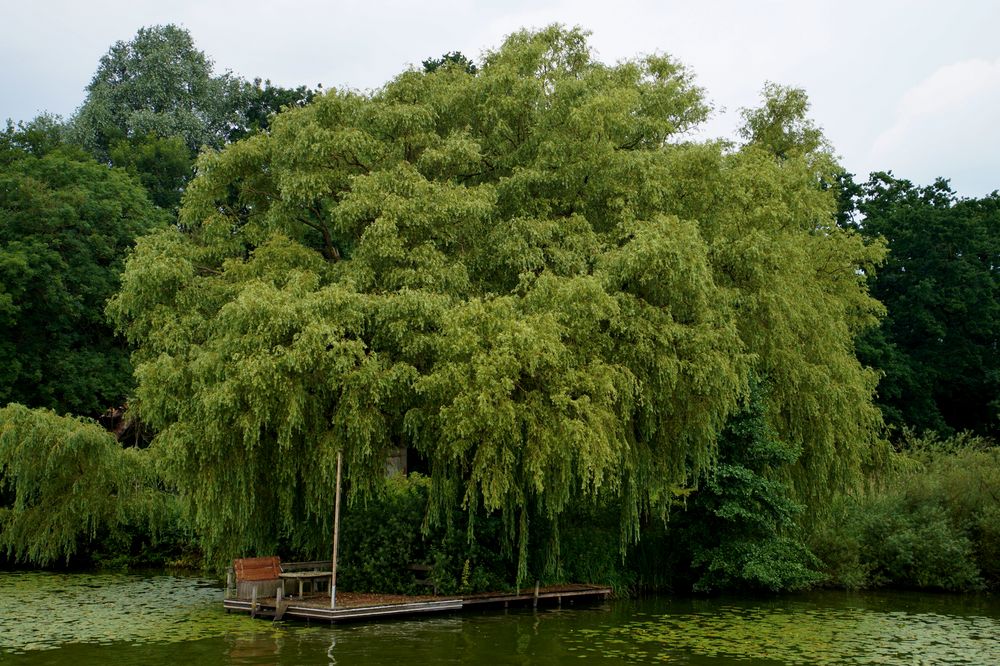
(816, 377)
(156, 84)
(938, 346)
(155, 102)
(526, 273)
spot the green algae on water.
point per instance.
(819, 636)
(40, 610)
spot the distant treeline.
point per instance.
(620, 356)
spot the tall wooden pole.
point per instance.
(336, 534)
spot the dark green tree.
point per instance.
(162, 164)
(155, 102)
(65, 225)
(258, 101)
(152, 105)
(939, 346)
(37, 137)
(740, 525)
(451, 59)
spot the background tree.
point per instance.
(452, 59)
(259, 100)
(65, 225)
(39, 136)
(941, 285)
(155, 102)
(162, 165)
(524, 274)
(156, 84)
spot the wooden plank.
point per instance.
(578, 593)
(276, 608)
(315, 565)
(372, 612)
(596, 593)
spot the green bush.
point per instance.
(740, 525)
(590, 549)
(931, 522)
(962, 475)
(379, 540)
(465, 565)
(986, 537)
(917, 546)
(836, 540)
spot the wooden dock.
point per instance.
(317, 607)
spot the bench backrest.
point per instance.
(257, 568)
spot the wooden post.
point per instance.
(280, 605)
(229, 583)
(534, 603)
(336, 534)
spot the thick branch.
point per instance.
(330, 251)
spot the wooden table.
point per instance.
(303, 576)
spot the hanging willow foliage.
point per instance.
(525, 273)
(65, 481)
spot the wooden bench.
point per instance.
(257, 577)
(257, 568)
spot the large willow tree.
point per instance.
(526, 273)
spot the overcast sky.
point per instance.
(907, 85)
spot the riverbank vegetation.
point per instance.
(619, 354)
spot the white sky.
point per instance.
(907, 85)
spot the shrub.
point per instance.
(931, 522)
(917, 546)
(741, 525)
(590, 549)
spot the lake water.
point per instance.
(83, 619)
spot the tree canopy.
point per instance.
(941, 285)
(450, 59)
(65, 225)
(781, 125)
(527, 273)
